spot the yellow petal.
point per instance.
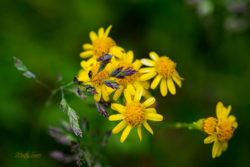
(117, 51)
(145, 84)
(153, 117)
(215, 149)
(118, 107)
(177, 80)
(137, 64)
(139, 132)
(98, 94)
(171, 86)
(88, 63)
(219, 110)
(119, 127)
(154, 56)
(224, 146)
(127, 96)
(163, 87)
(138, 94)
(86, 54)
(87, 46)
(150, 110)
(146, 94)
(232, 118)
(101, 32)
(149, 102)
(235, 124)
(148, 62)
(118, 93)
(116, 117)
(147, 126)
(92, 36)
(176, 74)
(227, 111)
(156, 81)
(131, 89)
(129, 57)
(83, 75)
(125, 133)
(147, 70)
(107, 31)
(148, 76)
(105, 93)
(209, 139)
(219, 151)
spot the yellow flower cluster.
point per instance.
(220, 129)
(132, 86)
(101, 45)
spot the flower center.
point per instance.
(134, 113)
(102, 45)
(165, 66)
(128, 79)
(209, 125)
(225, 130)
(97, 77)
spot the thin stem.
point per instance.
(62, 93)
(42, 84)
(55, 91)
(98, 79)
(182, 125)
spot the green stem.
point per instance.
(55, 91)
(183, 125)
(42, 84)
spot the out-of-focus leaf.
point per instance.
(21, 67)
(89, 90)
(64, 105)
(88, 158)
(84, 124)
(101, 109)
(60, 156)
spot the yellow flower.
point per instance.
(96, 80)
(134, 114)
(101, 44)
(129, 82)
(220, 129)
(164, 70)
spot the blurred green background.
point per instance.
(208, 39)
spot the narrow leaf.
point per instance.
(116, 72)
(112, 84)
(21, 67)
(101, 109)
(73, 118)
(104, 58)
(64, 105)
